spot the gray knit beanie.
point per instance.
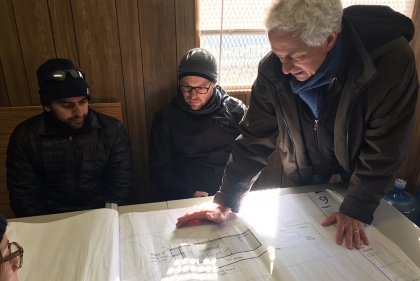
(3, 225)
(198, 62)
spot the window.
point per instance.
(234, 32)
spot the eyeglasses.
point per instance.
(60, 75)
(16, 255)
(198, 90)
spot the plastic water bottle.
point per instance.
(404, 202)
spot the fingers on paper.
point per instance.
(364, 237)
(330, 220)
(339, 234)
(200, 215)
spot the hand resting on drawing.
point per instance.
(352, 229)
(217, 215)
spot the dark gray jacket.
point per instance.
(372, 127)
(48, 172)
(189, 150)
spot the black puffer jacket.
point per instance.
(188, 150)
(50, 172)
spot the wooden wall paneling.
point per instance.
(96, 29)
(11, 58)
(187, 26)
(4, 97)
(63, 30)
(159, 53)
(36, 40)
(157, 31)
(131, 56)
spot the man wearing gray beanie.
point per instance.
(192, 136)
(69, 157)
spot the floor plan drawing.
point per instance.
(152, 248)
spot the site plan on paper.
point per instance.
(152, 248)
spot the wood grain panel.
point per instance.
(34, 28)
(5, 210)
(4, 97)
(96, 30)
(10, 117)
(129, 31)
(187, 23)
(11, 58)
(63, 30)
(157, 31)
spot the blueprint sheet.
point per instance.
(273, 238)
(81, 248)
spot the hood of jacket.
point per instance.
(378, 25)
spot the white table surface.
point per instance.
(388, 220)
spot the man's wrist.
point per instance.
(223, 209)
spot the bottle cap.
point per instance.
(400, 183)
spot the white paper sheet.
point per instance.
(99, 245)
(152, 248)
(84, 247)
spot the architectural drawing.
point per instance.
(152, 248)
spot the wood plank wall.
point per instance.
(129, 50)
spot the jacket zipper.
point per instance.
(317, 132)
(319, 147)
(72, 170)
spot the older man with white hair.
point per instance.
(339, 88)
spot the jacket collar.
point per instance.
(361, 64)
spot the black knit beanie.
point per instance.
(3, 225)
(198, 62)
(54, 90)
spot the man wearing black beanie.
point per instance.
(69, 157)
(192, 136)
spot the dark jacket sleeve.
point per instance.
(23, 182)
(251, 149)
(161, 163)
(237, 108)
(387, 134)
(119, 172)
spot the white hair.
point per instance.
(311, 20)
